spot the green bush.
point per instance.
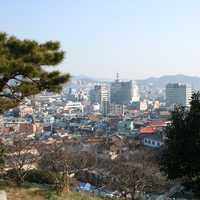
(40, 177)
(12, 174)
(32, 176)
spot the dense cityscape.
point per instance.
(99, 100)
(109, 120)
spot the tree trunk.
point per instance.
(133, 196)
(20, 177)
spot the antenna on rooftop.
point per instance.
(117, 77)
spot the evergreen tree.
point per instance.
(193, 143)
(22, 69)
(181, 155)
(2, 157)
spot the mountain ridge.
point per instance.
(159, 82)
(162, 81)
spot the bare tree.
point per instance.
(127, 179)
(56, 160)
(21, 156)
(83, 160)
(135, 175)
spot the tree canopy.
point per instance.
(22, 69)
(180, 157)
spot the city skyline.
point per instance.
(100, 99)
(138, 39)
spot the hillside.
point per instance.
(160, 82)
(39, 192)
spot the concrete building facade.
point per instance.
(178, 94)
(101, 95)
(121, 92)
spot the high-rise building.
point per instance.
(178, 94)
(101, 94)
(121, 92)
(136, 95)
(105, 99)
(95, 94)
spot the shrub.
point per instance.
(13, 175)
(40, 177)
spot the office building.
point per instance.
(117, 109)
(101, 95)
(105, 99)
(121, 92)
(95, 94)
(136, 95)
(178, 94)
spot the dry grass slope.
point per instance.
(38, 192)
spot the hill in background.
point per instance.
(161, 82)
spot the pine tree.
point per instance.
(22, 69)
(180, 157)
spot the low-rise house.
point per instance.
(126, 127)
(157, 123)
(152, 140)
(148, 130)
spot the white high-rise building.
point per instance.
(178, 94)
(136, 95)
(101, 95)
(105, 99)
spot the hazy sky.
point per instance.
(137, 38)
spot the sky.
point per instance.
(136, 38)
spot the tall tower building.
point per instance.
(178, 94)
(136, 95)
(101, 94)
(105, 99)
(121, 91)
(95, 94)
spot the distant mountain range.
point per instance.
(161, 82)
(158, 82)
(83, 77)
